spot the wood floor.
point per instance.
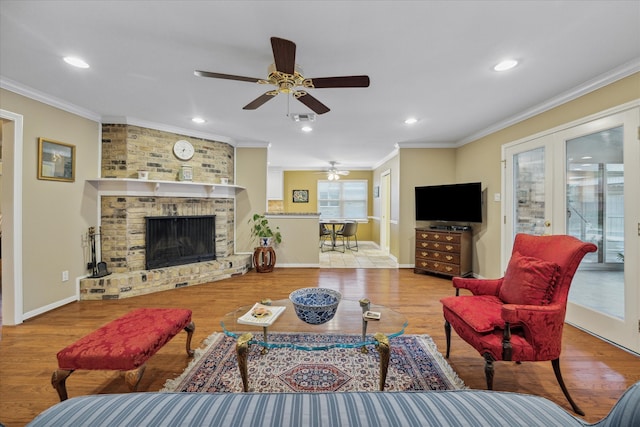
(595, 372)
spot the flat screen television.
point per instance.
(459, 203)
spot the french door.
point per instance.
(584, 180)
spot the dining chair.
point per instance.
(348, 232)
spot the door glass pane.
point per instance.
(595, 213)
(529, 192)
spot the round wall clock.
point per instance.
(183, 149)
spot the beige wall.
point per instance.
(419, 167)
(54, 214)
(251, 173)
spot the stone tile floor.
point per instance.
(368, 255)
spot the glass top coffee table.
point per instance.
(347, 320)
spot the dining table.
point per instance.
(335, 225)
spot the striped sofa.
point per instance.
(402, 409)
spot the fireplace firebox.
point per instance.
(177, 240)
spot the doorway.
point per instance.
(583, 180)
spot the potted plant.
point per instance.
(262, 230)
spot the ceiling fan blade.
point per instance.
(344, 81)
(315, 105)
(225, 76)
(260, 100)
(284, 54)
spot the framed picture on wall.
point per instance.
(300, 196)
(56, 160)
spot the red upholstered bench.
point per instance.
(124, 344)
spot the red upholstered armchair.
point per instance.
(520, 316)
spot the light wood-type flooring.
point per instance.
(595, 372)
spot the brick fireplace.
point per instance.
(127, 149)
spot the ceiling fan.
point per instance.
(287, 76)
(333, 174)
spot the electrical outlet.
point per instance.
(65, 275)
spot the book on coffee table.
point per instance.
(261, 315)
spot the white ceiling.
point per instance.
(428, 59)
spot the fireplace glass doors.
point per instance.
(177, 240)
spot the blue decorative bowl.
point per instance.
(315, 305)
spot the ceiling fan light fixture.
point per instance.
(333, 176)
(307, 129)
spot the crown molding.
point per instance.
(589, 86)
(34, 94)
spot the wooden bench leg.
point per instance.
(190, 328)
(58, 381)
(133, 377)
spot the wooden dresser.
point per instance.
(446, 252)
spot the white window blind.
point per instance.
(343, 199)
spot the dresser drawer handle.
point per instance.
(436, 236)
(449, 247)
(448, 268)
(449, 257)
(436, 265)
(449, 238)
(436, 255)
(424, 236)
(424, 253)
(436, 245)
(424, 264)
(424, 245)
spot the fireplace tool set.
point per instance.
(99, 269)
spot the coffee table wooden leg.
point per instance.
(242, 350)
(385, 353)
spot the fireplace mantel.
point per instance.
(139, 187)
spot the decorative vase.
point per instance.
(266, 241)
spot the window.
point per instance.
(343, 199)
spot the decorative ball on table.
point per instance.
(315, 305)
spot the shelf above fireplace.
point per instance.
(140, 187)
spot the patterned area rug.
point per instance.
(415, 364)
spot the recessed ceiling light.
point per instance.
(307, 129)
(505, 65)
(76, 62)
(410, 121)
(198, 120)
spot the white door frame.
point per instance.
(556, 138)
(12, 299)
(385, 210)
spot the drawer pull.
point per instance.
(425, 245)
(436, 255)
(424, 264)
(448, 268)
(436, 236)
(449, 247)
(424, 236)
(436, 245)
(449, 257)
(449, 238)
(424, 253)
(436, 265)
